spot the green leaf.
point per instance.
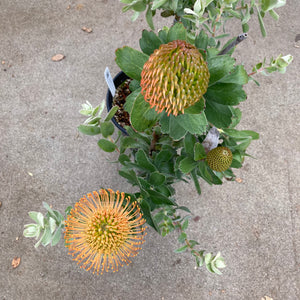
(261, 23)
(163, 156)
(241, 134)
(267, 5)
(274, 15)
(219, 66)
(123, 159)
(159, 198)
(195, 124)
(189, 143)
(37, 217)
(129, 175)
(236, 117)
(149, 42)
(144, 185)
(218, 114)
(163, 35)
(47, 236)
(89, 130)
(182, 237)
(193, 243)
(221, 36)
(247, 16)
(107, 129)
(149, 17)
(214, 269)
(230, 52)
(245, 27)
(235, 13)
(68, 210)
(168, 191)
(220, 263)
(52, 224)
(135, 16)
(196, 182)
(243, 145)
(133, 86)
(236, 164)
(139, 6)
(167, 13)
(184, 208)
(197, 108)
(31, 230)
(171, 126)
(128, 142)
(144, 162)
(106, 145)
(130, 99)
(238, 76)
(208, 258)
(226, 93)
(199, 151)
(185, 225)
(177, 32)
(253, 134)
(157, 179)
(143, 139)
(111, 113)
(187, 165)
(158, 3)
(131, 61)
(181, 249)
(201, 40)
(142, 116)
(56, 237)
(148, 216)
(159, 216)
(50, 211)
(204, 173)
(214, 178)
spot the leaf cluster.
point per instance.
(160, 150)
(48, 228)
(212, 263)
(212, 15)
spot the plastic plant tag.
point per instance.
(212, 139)
(109, 81)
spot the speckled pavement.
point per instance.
(254, 223)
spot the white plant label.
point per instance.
(109, 81)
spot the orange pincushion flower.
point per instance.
(175, 77)
(103, 231)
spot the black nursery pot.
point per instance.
(118, 80)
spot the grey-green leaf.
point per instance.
(107, 129)
(131, 61)
(106, 145)
(89, 130)
(181, 249)
(111, 113)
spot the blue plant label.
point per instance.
(109, 81)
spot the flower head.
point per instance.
(104, 230)
(219, 159)
(174, 77)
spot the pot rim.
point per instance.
(118, 80)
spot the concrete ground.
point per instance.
(255, 223)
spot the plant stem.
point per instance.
(117, 149)
(217, 20)
(177, 224)
(255, 72)
(153, 142)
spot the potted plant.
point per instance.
(182, 92)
